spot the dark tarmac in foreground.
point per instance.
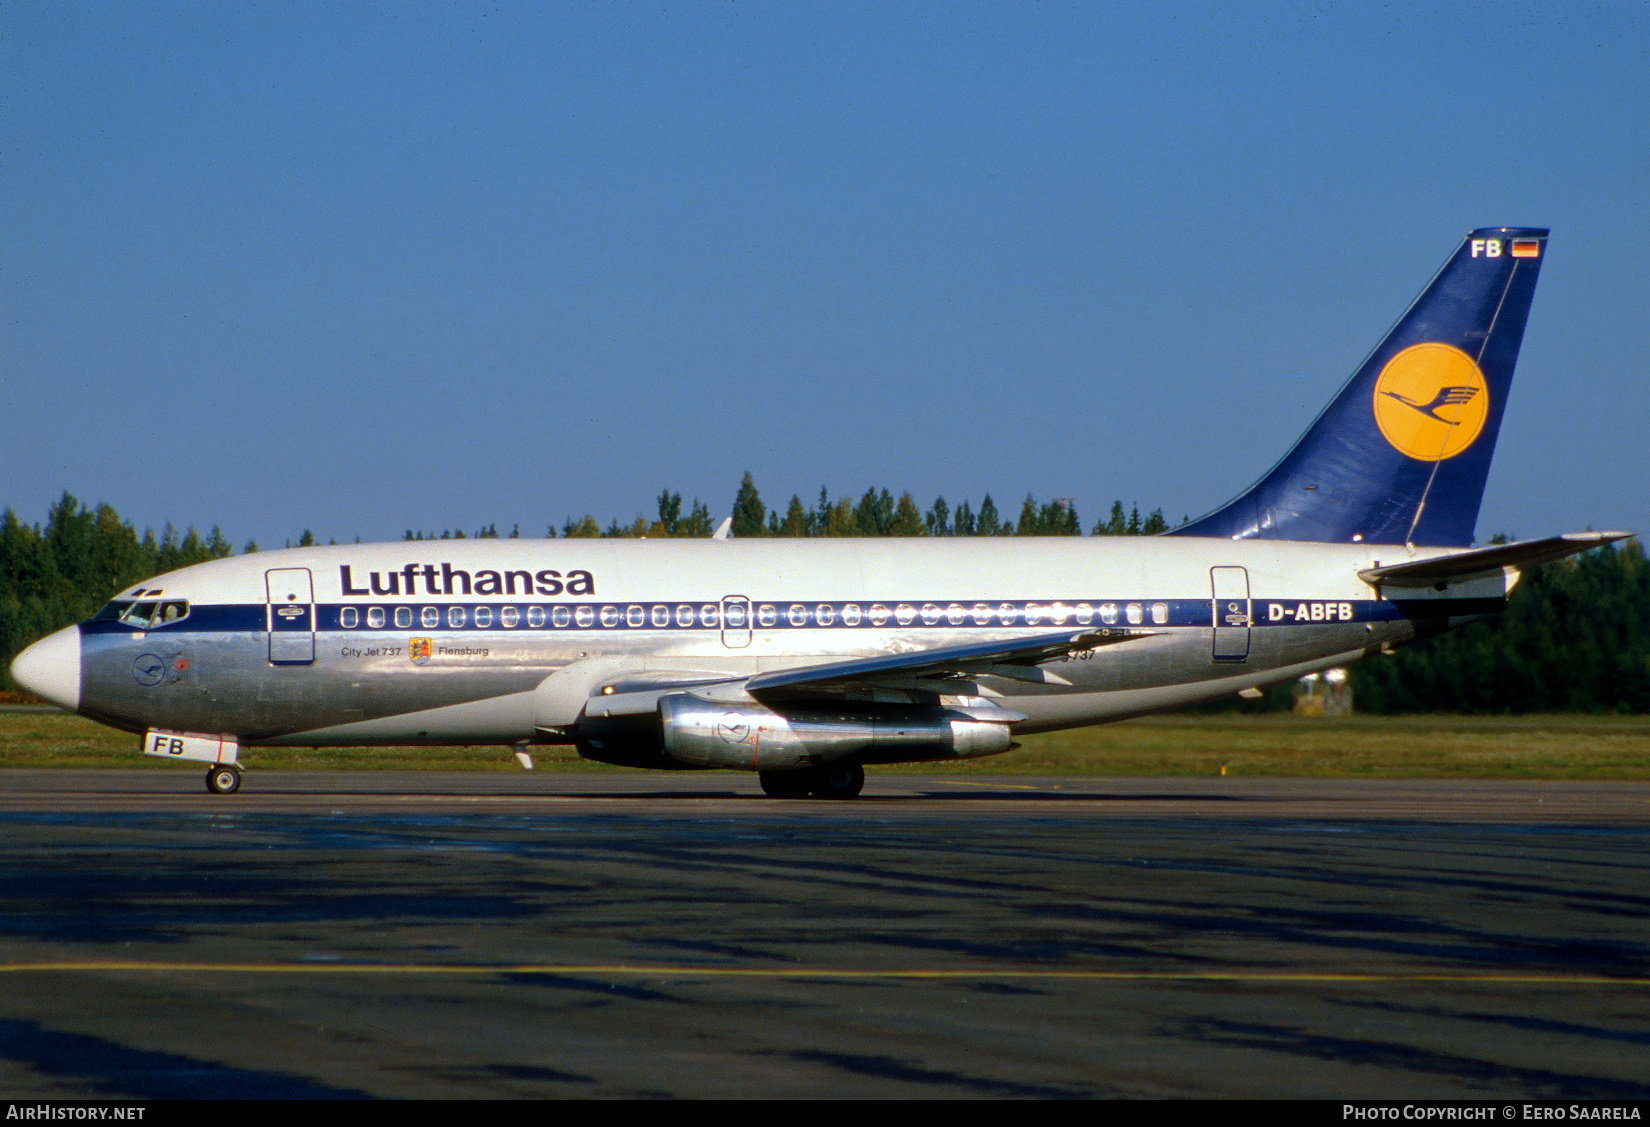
(327, 934)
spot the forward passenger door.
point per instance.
(291, 616)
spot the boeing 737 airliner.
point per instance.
(805, 660)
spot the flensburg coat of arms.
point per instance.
(420, 649)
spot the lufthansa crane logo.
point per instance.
(1431, 402)
(733, 729)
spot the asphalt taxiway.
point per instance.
(419, 934)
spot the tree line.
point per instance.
(1575, 635)
(876, 513)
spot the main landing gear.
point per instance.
(839, 780)
(225, 778)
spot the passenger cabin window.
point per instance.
(375, 617)
(431, 616)
(507, 618)
(455, 617)
(484, 617)
(403, 617)
(535, 616)
(349, 618)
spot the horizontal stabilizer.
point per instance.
(1524, 554)
(1014, 658)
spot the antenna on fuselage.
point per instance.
(723, 530)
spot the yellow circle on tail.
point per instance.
(1431, 401)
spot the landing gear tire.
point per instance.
(786, 784)
(839, 780)
(224, 779)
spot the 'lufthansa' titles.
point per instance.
(445, 579)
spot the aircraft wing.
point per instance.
(934, 670)
(1017, 659)
(1482, 561)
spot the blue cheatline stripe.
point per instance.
(915, 614)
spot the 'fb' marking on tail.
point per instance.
(1446, 397)
(1431, 401)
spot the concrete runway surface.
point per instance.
(329, 934)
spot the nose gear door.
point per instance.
(291, 614)
(1229, 612)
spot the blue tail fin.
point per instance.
(1401, 454)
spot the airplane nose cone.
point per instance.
(50, 669)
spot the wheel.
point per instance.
(224, 779)
(786, 784)
(839, 780)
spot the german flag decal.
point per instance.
(1526, 248)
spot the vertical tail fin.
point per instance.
(1402, 453)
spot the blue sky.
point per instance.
(359, 268)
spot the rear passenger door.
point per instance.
(1229, 612)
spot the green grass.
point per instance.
(1277, 744)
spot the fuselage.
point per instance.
(446, 642)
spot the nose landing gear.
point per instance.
(224, 779)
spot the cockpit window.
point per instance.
(144, 614)
(139, 614)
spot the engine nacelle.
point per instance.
(751, 737)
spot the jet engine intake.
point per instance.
(752, 737)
